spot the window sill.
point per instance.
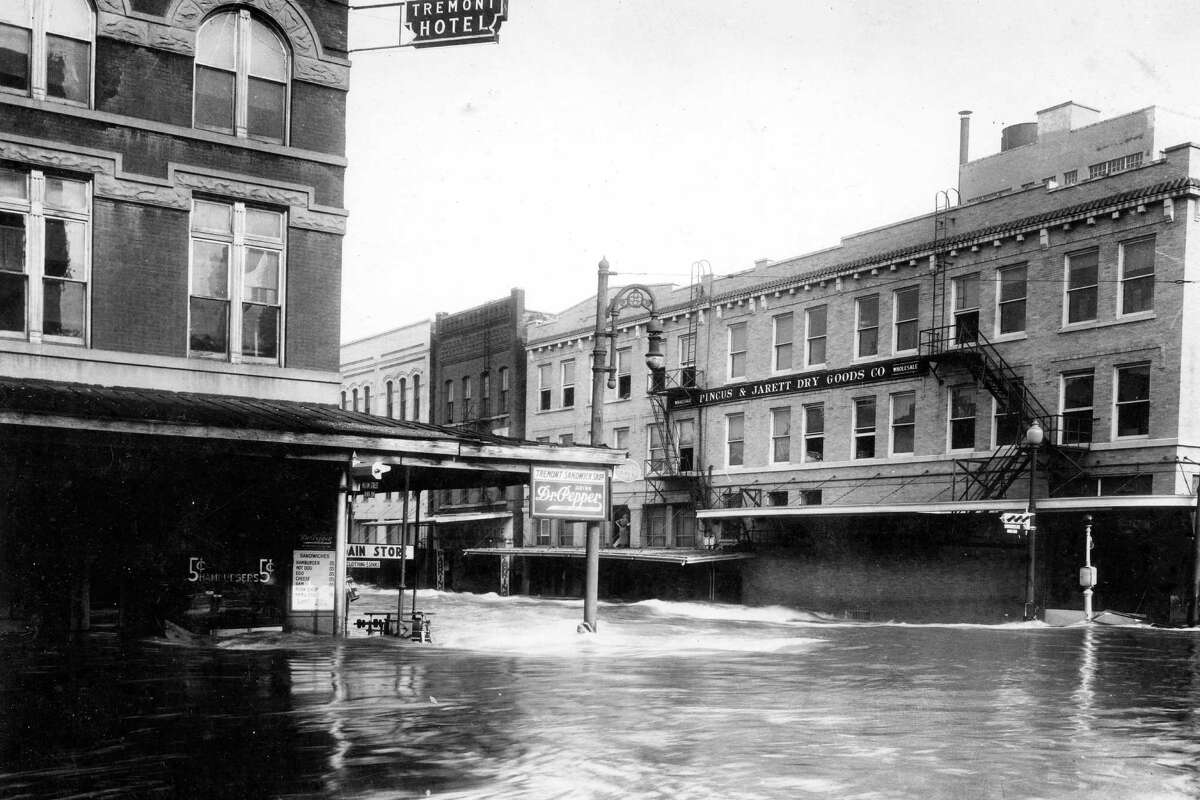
(1093, 324)
(1000, 338)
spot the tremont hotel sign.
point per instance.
(433, 23)
(874, 372)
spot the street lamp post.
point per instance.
(1033, 439)
(1087, 575)
(603, 371)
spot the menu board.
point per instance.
(312, 580)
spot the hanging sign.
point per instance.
(434, 23)
(569, 493)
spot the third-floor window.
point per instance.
(46, 49)
(783, 342)
(241, 82)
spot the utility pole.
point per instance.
(599, 374)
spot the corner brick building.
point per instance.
(858, 419)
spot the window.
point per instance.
(778, 497)
(467, 411)
(241, 81)
(343, 403)
(683, 527)
(781, 435)
(45, 264)
(1071, 177)
(46, 49)
(962, 418)
(906, 303)
(485, 395)
(814, 432)
(567, 439)
(737, 350)
(366, 399)
(866, 316)
(624, 379)
(1006, 423)
(416, 415)
(656, 450)
(567, 369)
(389, 400)
(1133, 400)
(544, 531)
(1011, 292)
(1078, 410)
(1131, 161)
(620, 438)
(403, 398)
(544, 388)
(237, 278)
(864, 427)
(1137, 276)
(783, 342)
(904, 423)
(735, 431)
(1082, 284)
(685, 440)
(966, 308)
(687, 360)
(566, 533)
(449, 401)
(504, 390)
(354, 398)
(814, 336)
(656, 525)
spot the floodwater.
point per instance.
(669, 700)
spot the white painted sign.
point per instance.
(1019, 518)
(313, 580)
(393, 552)
(362, 565)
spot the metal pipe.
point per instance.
(964, 136)
(591, 590)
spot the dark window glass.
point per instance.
(68, 68)
(260, 331)
(214, 99)
(63, 308)
(12, 242)
(12, 302)
(210, 326)
(1133, 400)
(265, 115)
(14, 57)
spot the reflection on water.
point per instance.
(670, 700)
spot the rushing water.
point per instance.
(669, 700)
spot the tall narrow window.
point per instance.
(1133, 400)
(687, 360)
(366, 399)
(343, 403)
(737, 350)
(864, 427)
(45, 232)
(966, 308)
(468, 412)
(354, 399)
(906, 306)
(866, 323)
(46, 49)
(1083, 275)
(237, 288)
(814, 432)
(781, 435)
(783, 342)
(814, 336)
(656, 450)
(735, 439)
(624, 377)
(685, 441)
(1137, 276)
(389, 408)
(449, 391)
(1006, 426)
(545, 389)
(567, 369)
(1010, 299)
(416, 414)
(621, 438)
(241, 82)
(485, 394)
(1078, 406)
(904, 423)
(403, 391)
(504, 390)
(962, 418)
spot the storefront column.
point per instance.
(340, 541)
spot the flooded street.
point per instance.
(669, 701)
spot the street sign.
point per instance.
(1019, 518)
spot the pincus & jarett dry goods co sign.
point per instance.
(433, 23)
(569, 493)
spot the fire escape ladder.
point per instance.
(965, 346)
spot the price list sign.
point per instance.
(312, 580)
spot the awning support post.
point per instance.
(340, 543)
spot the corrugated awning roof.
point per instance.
(664, 555)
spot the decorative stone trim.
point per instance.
(178, 33)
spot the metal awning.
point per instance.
(664, 555)
(1043, 505)
(440, 518)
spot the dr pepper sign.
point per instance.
(569, 493)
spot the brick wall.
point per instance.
(139, 279)
(143, 82)
(314, 275)
(318, 118)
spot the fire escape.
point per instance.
(673, 472)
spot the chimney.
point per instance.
(964, 136)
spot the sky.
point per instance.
(662, 134)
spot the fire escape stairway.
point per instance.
(964, 346)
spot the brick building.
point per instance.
(858, 417)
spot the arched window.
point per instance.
(366, 399)
(416, 398)
(343, 401)
(46, 49)
(242, 69)
(354, 398)
(403, 399)
(390, 408)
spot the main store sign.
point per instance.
(389, 551)
(433, 23)
(874, 372)
(569, 493)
